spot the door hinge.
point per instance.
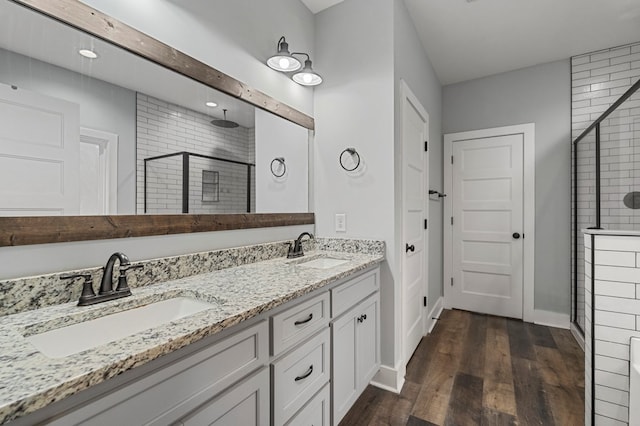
(451, 220)
(452, 159)
(451, 281)
(424, 301)
(426, 224)
(426, 145)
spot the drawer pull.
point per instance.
(305, 375)
(304, 321)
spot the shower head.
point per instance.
(227, 124)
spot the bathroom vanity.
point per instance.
(280, 341)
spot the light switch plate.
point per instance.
(341, 222)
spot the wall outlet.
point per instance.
(341, 222)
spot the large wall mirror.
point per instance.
(120, 134)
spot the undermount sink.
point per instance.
(65, 341)
(323, 263)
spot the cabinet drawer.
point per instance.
(164, 396)
(353, 291)
(299, 322)
(316, 412)
(298, 376)
(245, 404)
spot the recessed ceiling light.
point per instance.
(211, 104)
(88, 53)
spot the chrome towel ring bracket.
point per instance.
(278, 168)
(349, 159)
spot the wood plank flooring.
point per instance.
(481, 370)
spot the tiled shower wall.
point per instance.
(598, 79)
(164, 128)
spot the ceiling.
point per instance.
(468, 39)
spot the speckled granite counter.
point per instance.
(29, 380)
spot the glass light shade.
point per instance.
(283, 60)
(307, 76)
(284, 63)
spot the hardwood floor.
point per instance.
(482, 370)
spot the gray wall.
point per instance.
(539, 94)
(354, 108)
(103, 106)
(412, 65)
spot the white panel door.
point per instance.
(414, 247)
(487, 241)
(39, 154)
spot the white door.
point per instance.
(487, 225)
(415, 131)
(39, 149)
(98, 172)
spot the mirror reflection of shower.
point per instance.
(224, 123)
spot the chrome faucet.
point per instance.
(107, 292)
(295, 250)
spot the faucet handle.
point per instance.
(87, 286)
(122, 279)
(124, 268)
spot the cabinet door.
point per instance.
(245, 404)
(316, 412)
(343, 360)
(367, 341)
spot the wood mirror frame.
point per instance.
(15, 231)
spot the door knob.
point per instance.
(516, 235)
(409, 248)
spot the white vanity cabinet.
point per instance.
(355, 340)
(302, 363)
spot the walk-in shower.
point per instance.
(605, 183)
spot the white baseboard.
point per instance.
(552, 319)
(389, 378)
(578, 336)
(434, 314)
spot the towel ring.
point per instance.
(353, 153)
(278, 160)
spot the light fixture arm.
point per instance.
(302, 54)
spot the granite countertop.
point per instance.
(29, 380)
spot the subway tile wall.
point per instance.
(598, 79)
(617, 319)
(164, 128)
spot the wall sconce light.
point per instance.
(307, 76)
(284, 61)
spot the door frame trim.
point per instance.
(528, 132)
(407, 95)
(109, 141)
